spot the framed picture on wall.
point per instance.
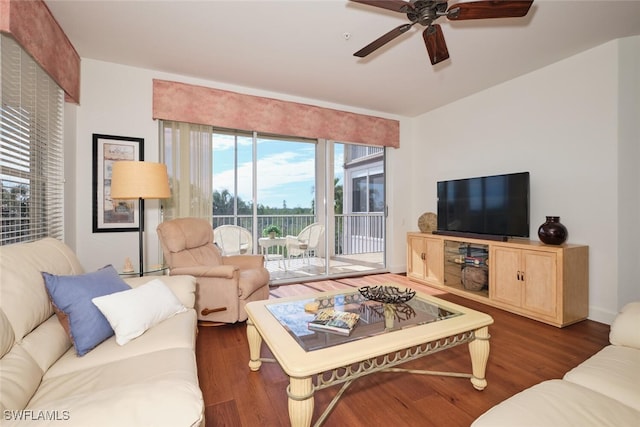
(113, 215)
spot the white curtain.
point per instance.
(187, 152)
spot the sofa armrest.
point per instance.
(244, 261)
(183, 286)
(624, 330)
(220, 271)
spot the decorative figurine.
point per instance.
(128, 267)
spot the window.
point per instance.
(283, 189)
(368, 193)
(31, 148)
(376, 193)
(233, 178)
(360, 194)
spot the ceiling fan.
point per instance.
(426, 12)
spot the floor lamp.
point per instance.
(139, 180)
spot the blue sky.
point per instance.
(285, 170)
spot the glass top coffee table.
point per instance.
(386, 335)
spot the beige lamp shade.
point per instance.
(139, 180)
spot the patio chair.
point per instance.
(233, 240)
(304, 243)
(224, 284)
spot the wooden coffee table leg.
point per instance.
(300, 393)
(255, 342)
(479, 350)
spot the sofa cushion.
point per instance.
(72, 296)
(624, 329)
(6, 334)
(154, 389)
(21, 370)
(613, 371)
(23, 297)
(130, 313)
(20, 377)
(559, 403)
(175, 332)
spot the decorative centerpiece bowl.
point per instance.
(387, 294)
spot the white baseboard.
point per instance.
(603, 316)
(397, 269)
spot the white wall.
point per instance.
(399, 198)
(117, 100)
(629, 173)
(562, 125)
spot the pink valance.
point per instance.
(201, 105)
(31, 24)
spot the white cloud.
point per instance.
(287, 176)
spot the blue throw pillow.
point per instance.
(71, 296)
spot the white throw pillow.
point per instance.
(130, 313)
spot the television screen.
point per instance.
(491, 205)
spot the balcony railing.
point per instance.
(359, 233)
(354, 233)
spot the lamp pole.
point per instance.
(140, 231)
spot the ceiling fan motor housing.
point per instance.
(424, 12)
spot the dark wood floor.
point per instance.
(523, 353)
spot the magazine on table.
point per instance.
(330, 320)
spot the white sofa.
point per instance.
(602, 391)
(150, 381)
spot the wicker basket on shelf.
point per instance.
(474, 278)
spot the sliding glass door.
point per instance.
(358, 191)
(314, 208)
(233, 173)
(286, 182)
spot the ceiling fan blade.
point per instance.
(381, 41)
(395, 5)
(436, 46)
(489, 9)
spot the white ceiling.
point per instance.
(299, 47)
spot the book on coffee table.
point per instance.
(334, 321)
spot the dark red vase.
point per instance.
(552, 232)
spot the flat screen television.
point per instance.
(491, 207)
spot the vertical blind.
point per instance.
(31, 148)
(186, 150)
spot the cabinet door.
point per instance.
(506, 285)
(425, 259)
(416, 257)
(540, 290)
(434, 267)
